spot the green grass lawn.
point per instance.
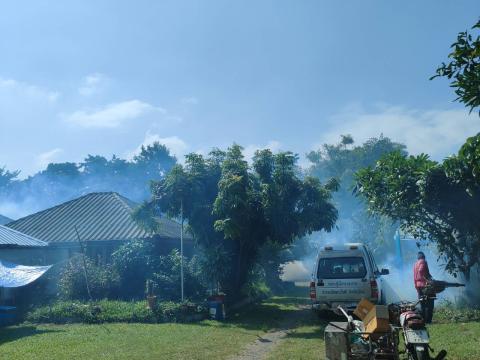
(461, 340)
(123, 341)
(204, 340)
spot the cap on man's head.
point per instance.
(420, 255)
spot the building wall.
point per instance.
(25, 256)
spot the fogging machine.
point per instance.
(435, 287)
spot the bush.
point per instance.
(135, 262)
(104, 281)
(138, 261)
(448, 313)
(256, 286)
(115, 311)
(167, 278)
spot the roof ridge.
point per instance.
(122, 200)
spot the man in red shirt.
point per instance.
(421, 277)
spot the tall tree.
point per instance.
(155, 160)
(233, 210)
(341, 161)
(439, 202)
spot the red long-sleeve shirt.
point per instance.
(421, 273)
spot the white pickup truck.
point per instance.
(343, 275)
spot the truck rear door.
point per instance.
(343, 279)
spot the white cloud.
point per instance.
(112, 115)
(177, 146)
(249, 150)
(92, 84)
(33, 92)
(191, 100)
(47, 157)
(438, 133)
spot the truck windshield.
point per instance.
(341, 268)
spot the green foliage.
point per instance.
(337, 164)
(256, 287)
(166, 277)
(154, 159)
(449, 313)
(140, 260)
(436, 202)
(464, 68)
(6, 178)
(104, 281)
(107, 311)
(63, 181)
(135, 262)
(233, 210)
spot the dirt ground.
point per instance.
(265, 344)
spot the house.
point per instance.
(18, 248)
(4, 220)
(101, 221)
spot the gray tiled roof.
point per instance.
(98, 217)
(10, 237)
(4, 220)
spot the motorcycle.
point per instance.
(415, 334)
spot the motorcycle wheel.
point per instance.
(422, 354)
(414, 354)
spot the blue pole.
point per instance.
(398, 250)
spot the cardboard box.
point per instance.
(363, 308)
(377, 326)
(377, 319)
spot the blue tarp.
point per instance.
(13, 275)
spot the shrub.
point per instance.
(448, 313)
(104, 281)
(256, 286)
(134, 262)
(114, 311)
(138, 261)
(167, 278)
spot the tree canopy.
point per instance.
(7, 178)
(63, 181)
(439, 202)
(234, 209)
(341, 161)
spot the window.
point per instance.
(341, 268)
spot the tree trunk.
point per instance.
(238, 270)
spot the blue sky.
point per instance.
(104, 77)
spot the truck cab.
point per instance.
(343, 275)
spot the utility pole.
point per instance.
(181, 246)
(84, 257)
